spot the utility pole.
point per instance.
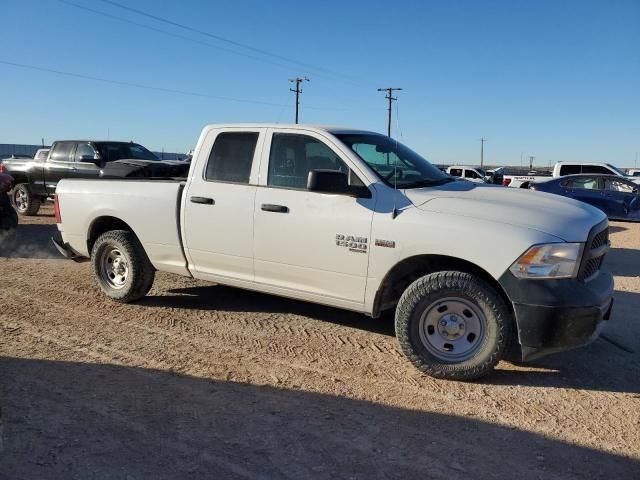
(297, 91)
(389, 96)
(531, 159)
(482, 140)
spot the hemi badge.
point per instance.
(385, 243)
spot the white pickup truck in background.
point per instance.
(561, 169)
(472, 174)
(356, 220)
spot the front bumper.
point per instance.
(556, 315)
(65, 249)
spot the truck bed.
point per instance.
(149, 206)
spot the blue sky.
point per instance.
(559, 80)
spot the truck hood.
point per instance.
(565, 218)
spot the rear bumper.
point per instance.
(65, 249)
(557, 315)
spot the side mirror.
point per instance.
(334, 181)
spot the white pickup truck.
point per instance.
(355, 220)
(562, 169)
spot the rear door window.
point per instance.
(588, 183)
(231, 157)
(569, 170)
(595, 169)
(61, 152)
(455, 172)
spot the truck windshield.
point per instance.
(396, 165)
(617, 170)
(112, 151)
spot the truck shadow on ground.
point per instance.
(600, 366)
(83, 420)
(229, 299)
(617, 228)
(30, 241)
(623, 262)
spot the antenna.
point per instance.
(297, 91)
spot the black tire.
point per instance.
(8, 218)
(416, 335)
(121, 287)
(26, 203)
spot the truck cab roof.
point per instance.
(334, 129)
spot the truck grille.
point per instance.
(595, 249)
(600, 239)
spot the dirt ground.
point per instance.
(205, 381)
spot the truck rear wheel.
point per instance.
(24, 201)
(121, 266)
(8, 218)
(453, 325)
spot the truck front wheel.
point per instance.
(25, 202)
(121, 266)
(453, 325)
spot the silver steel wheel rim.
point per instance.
(21, 200)
(114, 268)
(452, 329)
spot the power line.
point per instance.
(391, 99)
(223, 39)
(163, 89)
(171, 34)
(297, 91)
(138, 85)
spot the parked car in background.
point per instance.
(633, 172)
(8, 216)
(356, 220)
(617, 197)
(562, 169)
(36, 179)
(473, 174)
(495, 175)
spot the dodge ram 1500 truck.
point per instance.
(356, 220)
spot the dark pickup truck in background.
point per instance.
(35, 179)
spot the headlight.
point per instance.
(553, 260)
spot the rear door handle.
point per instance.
(268, 207)
(203, 200)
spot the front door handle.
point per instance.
(203, 200)
(268, 207)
